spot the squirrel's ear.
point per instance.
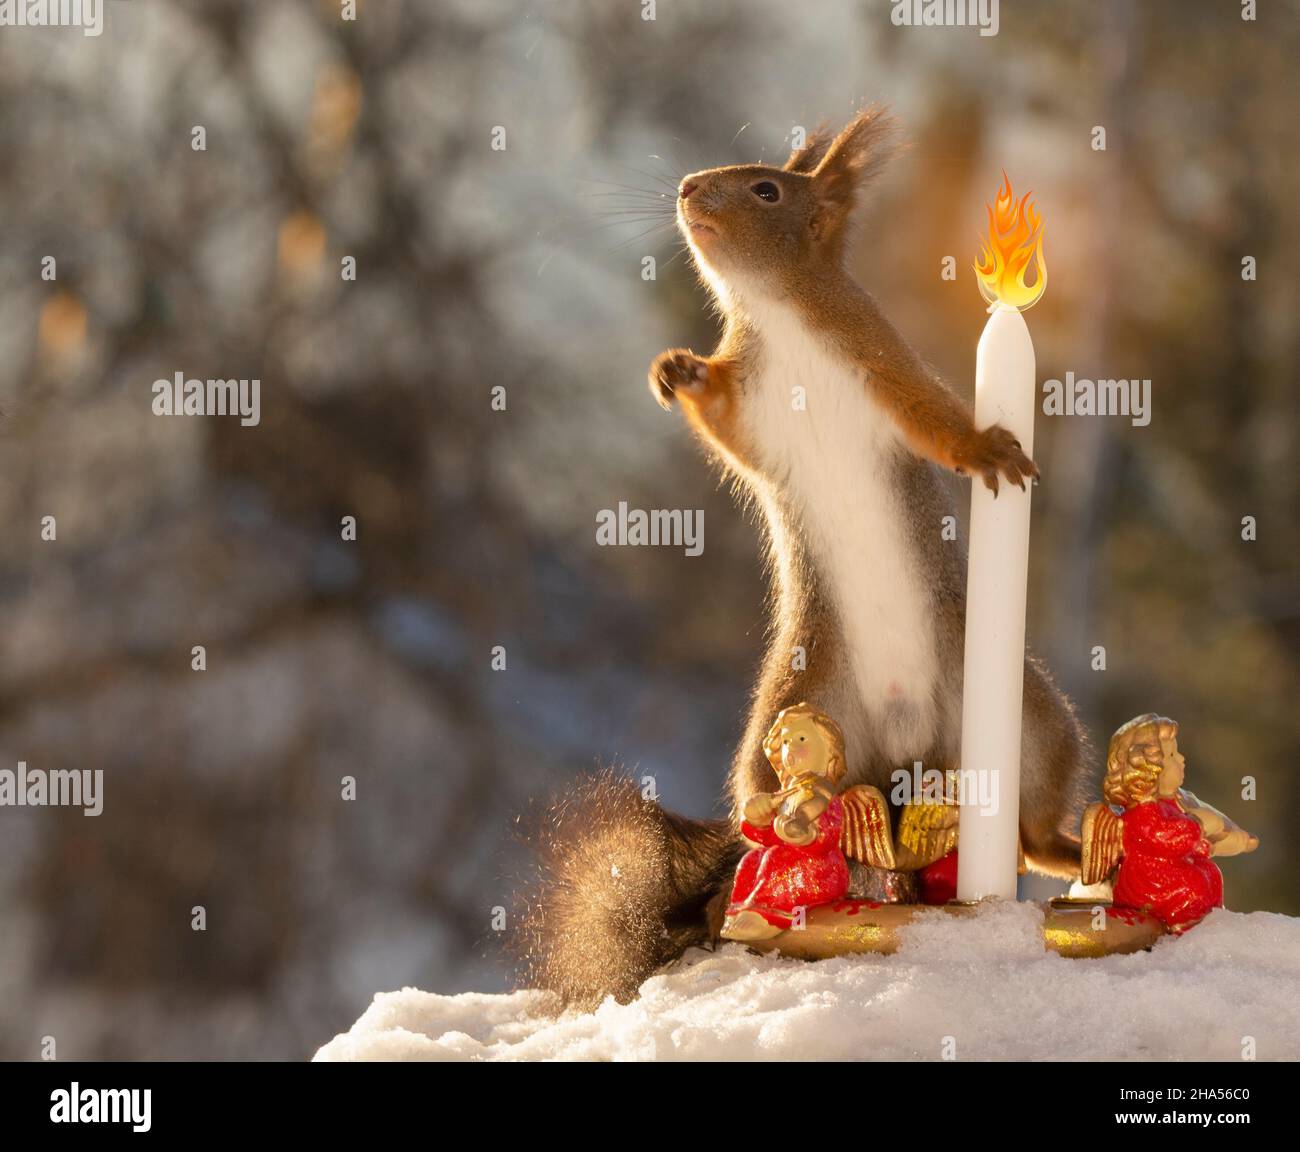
(816, 145)
(855, 157)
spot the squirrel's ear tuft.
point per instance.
(856, 156)
(816, 145)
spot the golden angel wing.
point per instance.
(1102, 841)
(927, 831)
(866, 834)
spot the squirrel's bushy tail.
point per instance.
(622, 888)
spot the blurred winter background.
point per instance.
(479, 268)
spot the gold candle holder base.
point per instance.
(1070, 928)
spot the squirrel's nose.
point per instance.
(688, 186)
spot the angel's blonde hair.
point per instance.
(1134, 760)
(830, 731)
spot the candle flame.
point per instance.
(1014, 244)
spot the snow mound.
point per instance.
(980, 988)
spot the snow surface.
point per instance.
(985, 982)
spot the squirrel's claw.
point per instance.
(663, 395)
(994, 453)
(677, 370)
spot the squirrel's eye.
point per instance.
(766, 190)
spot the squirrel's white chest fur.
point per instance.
(833, 452)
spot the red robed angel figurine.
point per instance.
(803, 831)
(1160, 842)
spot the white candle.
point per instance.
(997, 578)
(996, 586)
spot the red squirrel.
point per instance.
(838, 431)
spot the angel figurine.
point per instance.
(1160, 840)
(803, 831)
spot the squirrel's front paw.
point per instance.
(677, 370)
(994, 452)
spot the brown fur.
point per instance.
(622, 887)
